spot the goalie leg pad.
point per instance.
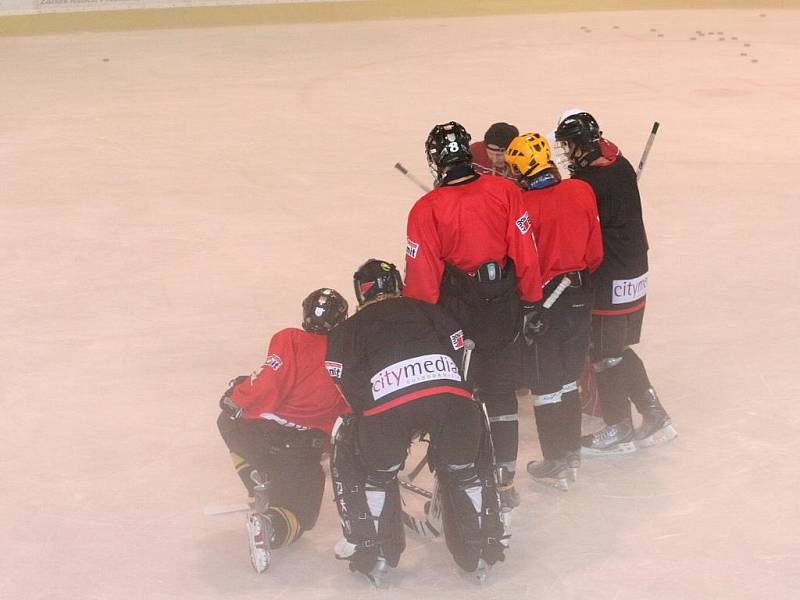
(369, 505)
(471, 517)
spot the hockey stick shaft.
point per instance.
(647, 147)
(415, 488)
(411, 177)
(416, 470)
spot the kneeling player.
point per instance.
(396, 362)
(275, 423)
(567, 232)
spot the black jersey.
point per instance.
(395, 351)
(621, 280)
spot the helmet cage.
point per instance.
(447, 145)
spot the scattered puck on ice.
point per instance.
(692, 39)
(720, 39)
(105, 60)
(734, 38)
(651, 29)
(720, 32)
(762, 15)
(743, 54)
(616, 27)
(660, 35)
(753, 60)
(747, 45)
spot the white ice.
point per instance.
(165, 211)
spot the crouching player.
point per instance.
(397, 363)
(275, 423)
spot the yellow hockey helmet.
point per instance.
(528, 155)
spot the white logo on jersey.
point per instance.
(334, 368)
(457, 339)
(628, 290)
(412, 248)
(273, 361)
(412, 371)
(524, 223)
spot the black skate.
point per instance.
(612, 439)
(573, 464)
(550, 472)
(656, 427)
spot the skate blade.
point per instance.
(260, 555)
(665, 434)
(559, 484)
(623, 448)
(573, 474)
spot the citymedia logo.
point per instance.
(412, 371)
(624, 291)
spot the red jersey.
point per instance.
(566, 227)
(292, 387)
(467, 225)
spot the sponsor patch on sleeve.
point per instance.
(457, 339)
(273, 361)
(524, 223)
(412, 248)
(334, 369)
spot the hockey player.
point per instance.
(608, 148)
(397, 363)
(620, 286)
(275, 423)
(487, 155)
(470, 250)
(567, 232)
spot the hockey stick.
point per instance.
(647, 147)
(556, 294)
(213, 510)
(405, 172)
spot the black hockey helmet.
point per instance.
(447, 145)
(582, 131)
(323, 309)
(374, 278)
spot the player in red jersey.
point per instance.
(470, 250)
(275, 423)
(566, 228)
(487, 155)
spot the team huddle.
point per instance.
(520, 263)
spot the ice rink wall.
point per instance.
(32, 17)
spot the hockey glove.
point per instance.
(534, 322)
(228, 406)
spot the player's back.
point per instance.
(471, 220)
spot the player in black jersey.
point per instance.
(397, 362)
(620, 286)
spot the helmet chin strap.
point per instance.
(587, 158)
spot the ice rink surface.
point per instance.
(163, 212)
